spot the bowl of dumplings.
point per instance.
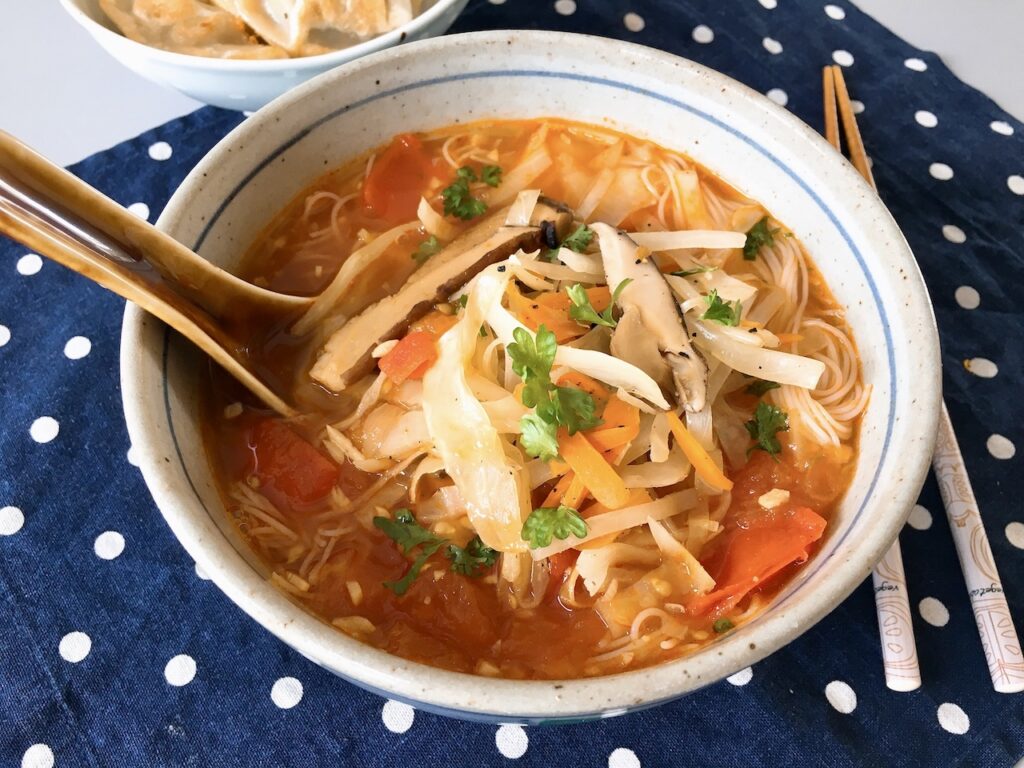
(242, 54)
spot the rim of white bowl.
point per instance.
(388, 39)
(472, 696)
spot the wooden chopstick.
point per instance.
(999, 638)
(895, 627)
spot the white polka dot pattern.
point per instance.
(623, 758)
(44, 429)
(511, 741)
(1015, 534)
(779, 96)
(915, 64)
(108, 545)
(5, 335)
(77, 348)
(703, 34)
(842, 58)
(180, 670)
(139, 209)
(29, 264)
(634, 22)
(940, 171)
(161, 150)
(920, 518)
(565, 7)
(75, 646)
(953, 233)
(926, 118)
(772, 45)
(953, 719)
(841, 696)
(983, 367)
(133, 456)
(835, 12)
(742, 677)
(934, 612)
(37, 756)
(1000, 447)
(397, 716)
(857, 106)
(967, 297)
(769, 4)
(11, 520)
(201, 573)
(1001, 127)
(1016, 184)
(286, 692)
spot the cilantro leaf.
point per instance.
(559, 522)
(758, 236)
(426, 249)
(768, 421)
(691, 272)
(550, 256)
(722, 625)
(532, 358)
(472, 559)
(408, 534)
(574, 409)
(539, 437)
(458, 200)
(491, 175)
(463, 301)
(583, 312)
(580, 239)
(760, 386)
(724, 312)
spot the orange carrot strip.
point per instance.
(594, 471)
(702, 462)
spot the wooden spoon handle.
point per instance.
(71, 206)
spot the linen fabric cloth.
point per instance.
(114, 651)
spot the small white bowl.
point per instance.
(738, 133)
(244, 84)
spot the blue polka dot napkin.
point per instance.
(115, 651)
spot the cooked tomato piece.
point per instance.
(397, 180)
(290, 465)
(750, 556)
(411, 357)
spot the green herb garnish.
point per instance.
(724, 312)
(768, 421)
(760, 386)
(472, 559)
(458, 200)
(579, 240)
(694, 271)
(758, 236)
(554, 407)
(426, 249)
(491, 175)
(583, 312)
(545, 523)
(722, 625)
(463, 300)
(409, 535)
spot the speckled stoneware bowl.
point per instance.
(241, 83)
(752, 143)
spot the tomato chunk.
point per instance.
(290, 465)
(398, 179)
(752, 555)
(411, 357)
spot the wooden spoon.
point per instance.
(57, 215)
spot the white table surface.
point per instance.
(62, 94)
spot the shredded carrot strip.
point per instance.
(621, 425)
(702, 462)
(600, 297)
(576, 493)
(557, 493)
(786, 338)
(593, 469)
(533, 314)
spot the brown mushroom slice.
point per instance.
(651, 332)
(346, 356)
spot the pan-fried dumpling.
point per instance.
(187, 26)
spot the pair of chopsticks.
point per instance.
(995, 625)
